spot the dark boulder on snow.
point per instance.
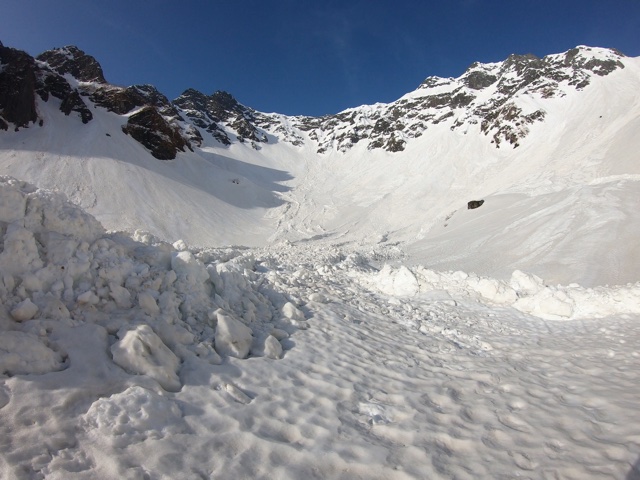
(156, 133)
(474, 204)
(75, 62)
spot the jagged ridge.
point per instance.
(485, 95)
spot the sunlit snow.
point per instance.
(363, 323)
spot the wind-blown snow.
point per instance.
(123, 358)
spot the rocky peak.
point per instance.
(21, 78)
(152, 130)
(223, 105)
(160, 125)
(71, 60)
(478, 79)
(157, 125)
(122, 100)
(219, 112)
(597, 60)
(454, 101)
(17, 88)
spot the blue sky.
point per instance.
(310, 57)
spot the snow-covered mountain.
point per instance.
(549, 143)
(334, 340)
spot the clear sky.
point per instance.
(310, 57)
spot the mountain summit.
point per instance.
(527, 135)
(486, 94)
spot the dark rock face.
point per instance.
(21, 78)
(57, 86)
(122, 100)
(474, 204)
(221, 111)
(75, 62)
(486, 98)
(477, 80)
(156, 125)
(153, 131)
(17, 88)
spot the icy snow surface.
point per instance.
(124, 358)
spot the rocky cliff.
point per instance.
(489, 95)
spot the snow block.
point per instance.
(272, 348)
(20, 252)
(290, 311)
(546, 304)
(526, 284)
(13, 202)
(133, 416)
(25, 310)
(187, 266)
(120, 295)
(494, 290)
(400, 282)
(24, 353)
(148, 303)
(88, 298)
(140, 351)
(232, 338)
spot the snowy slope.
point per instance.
(126, 358)
(566, 194)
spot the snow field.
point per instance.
(525, 292)
(124, 357)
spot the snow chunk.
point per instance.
(142, 352)
(13, 202)
(25, 310)
(50, 306)
(318, 298)
(525, 283)
(272, 347)
(24, 353)
(180, 245)
(289, 310)
(89, 298)
(232, 337)
(187, 266)
(20, 252)
(134, 415)
(120, 295)
(399, 282)
(546, 304)
(494, 290)
(148, 303)
(279, 334)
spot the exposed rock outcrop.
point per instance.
(152, 130)
(220, 112)
(485, 99)
(17, 88)
(53, 84)
(71, 60)
(21, 77)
